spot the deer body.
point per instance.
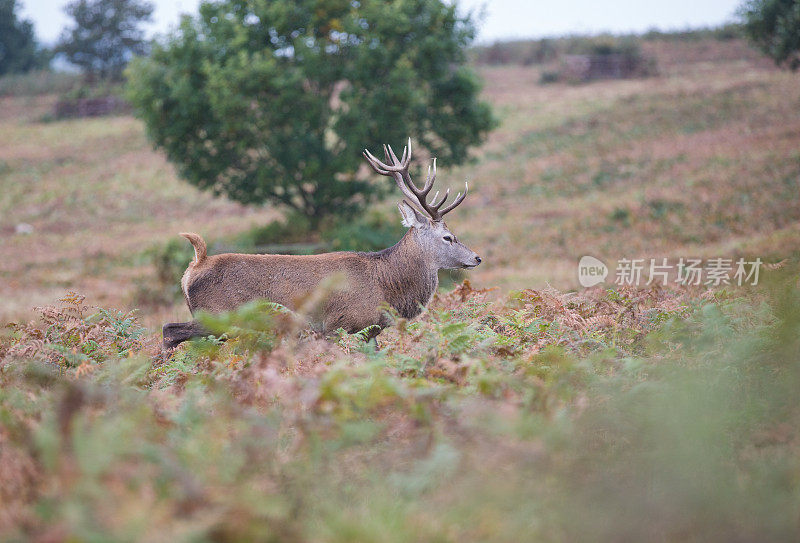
(399, 276)
(403, 276)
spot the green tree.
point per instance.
(774, 27)
(18, 49)
(105, 36)
(273, 100)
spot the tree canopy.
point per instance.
(774, 26)
(105, 36)
(18, 49)
(273, 100)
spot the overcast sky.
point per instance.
(503, 19)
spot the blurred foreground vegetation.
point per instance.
(614, 415)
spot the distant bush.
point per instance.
(621, 215)
(497, 53)
(99, 89)
(294, 228)
(628, 46)
(726, 32)
(602, 57)
(730, 31)
(38, 83)
(583, 58)
(523, 52)
(372, 231)
(77, 97)
(91, 107)
(542, 51)
(92, 100)
(549, 76)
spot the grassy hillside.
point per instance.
(512, 410)
(701, 160)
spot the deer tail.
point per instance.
(198, 244)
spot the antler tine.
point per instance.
(376, 164)
(438, 204)
(391, 157)
(430, 179)
(459, 198)
(406, 157)
(387, 155)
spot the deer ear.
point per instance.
(411, 217)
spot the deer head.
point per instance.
(424, 218)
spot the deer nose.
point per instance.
(478, 259)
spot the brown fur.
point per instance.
(398, 276)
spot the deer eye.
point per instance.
(448, 239)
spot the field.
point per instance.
(520, 407)
(700, 161)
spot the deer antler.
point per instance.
(418, 196)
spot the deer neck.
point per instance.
(407, 275)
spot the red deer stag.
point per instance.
(403, 276)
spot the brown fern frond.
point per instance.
(775, 265)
